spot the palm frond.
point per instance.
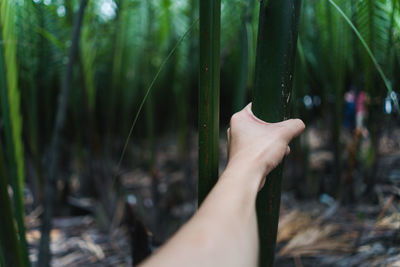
(369, 52)
(373, 23)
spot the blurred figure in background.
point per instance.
(361, 113)
(349, 110)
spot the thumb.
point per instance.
(291, 128)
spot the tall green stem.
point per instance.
(54, 154)
(10, 247)
(246, 45)
(10, 108)
(210, 20)
(276, 49)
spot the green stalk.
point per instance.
(210, 23)
(118, 78)
(336, 39)
(54, 150)
(10, 248)
(276, 50)
(89, 52)
(28, 72)
(10, 104)
(149, 115)
(148, 69)
(246, 39)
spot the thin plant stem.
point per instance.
(147, 95)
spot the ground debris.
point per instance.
(352, 236)
(311, 233)
(77, 241)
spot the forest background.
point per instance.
(73, 77)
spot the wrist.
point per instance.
(246, 173)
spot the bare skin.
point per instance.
(223, 232)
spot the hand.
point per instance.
(258, 145)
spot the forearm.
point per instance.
(224, 230)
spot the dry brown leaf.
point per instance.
(33, 236)
(307, 238)
(291, 224)
(392, 221)
(316, 240)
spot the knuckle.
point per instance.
(301, 124)
(235, 117)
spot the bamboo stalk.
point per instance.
(276, 49)
(244, 65)
(50, 187)
(10, 107)
(117, 78)
(10, 247)
(210, 20)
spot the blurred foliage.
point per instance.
(124, 43)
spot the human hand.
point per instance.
(258, 145)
